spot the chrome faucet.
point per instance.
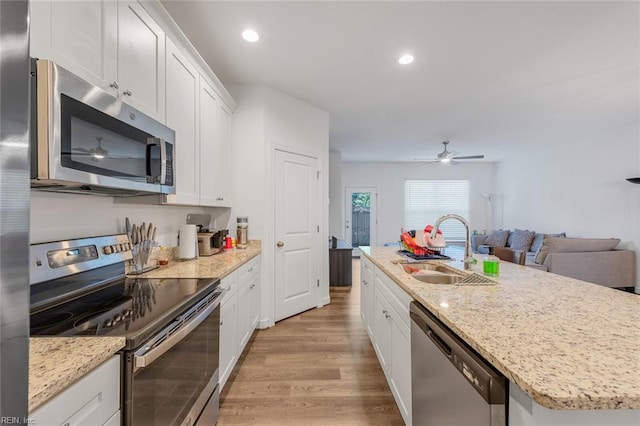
(468, 259)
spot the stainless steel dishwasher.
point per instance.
(451, 385)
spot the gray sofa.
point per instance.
(589, 259)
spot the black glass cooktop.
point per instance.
(132, 308)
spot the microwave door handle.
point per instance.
(162, 178)
(144, 357)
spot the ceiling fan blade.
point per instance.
(469, 157)
(81, 150)
(431, 163)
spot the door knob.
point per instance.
(280, 244)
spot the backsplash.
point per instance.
(63, 216)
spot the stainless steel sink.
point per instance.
(433, 273)
(412, 268)
(439, 278)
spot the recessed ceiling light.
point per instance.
(250, 35)
(405, 59)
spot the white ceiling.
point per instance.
(490, 77)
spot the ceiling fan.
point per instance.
(97, 153)
(447, 156)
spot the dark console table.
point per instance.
(339, 263)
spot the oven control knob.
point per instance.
(108, 323)
(106, 250)
(115, 248)
(127, 313)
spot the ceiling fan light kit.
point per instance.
(450, 157)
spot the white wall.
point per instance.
(265, 120)
(57, 217)
(389, 179)
(578, 186)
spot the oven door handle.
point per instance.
(145, 355)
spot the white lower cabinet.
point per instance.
(385, 312)
(239, 313)
(228, 327)
(92, 400)
(248, 301)
(366, 294)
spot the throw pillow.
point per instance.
(522, 239)
(539, 238)
(574, 245)
(497, 238)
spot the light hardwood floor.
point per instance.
(317, 368)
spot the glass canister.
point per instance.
(242, 232)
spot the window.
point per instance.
(427, 200)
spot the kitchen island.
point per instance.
(564, 343)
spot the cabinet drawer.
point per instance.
(230, 284)
(366, 266)
(248, 269)
(397, 297)
(92, 400)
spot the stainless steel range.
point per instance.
(171, 326)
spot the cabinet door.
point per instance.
(141, 60)
(210, 162)
(223, 118)
(254, 302)
(383, 326)
(228, 343)
(244, 314)
(400, 382)
(366, 299)
(183, 117)
(215, 148)
(79, 36)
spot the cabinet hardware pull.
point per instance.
(252, 286)
(384, 311)
(387, 316)
(115, 86)
(221, 323)
(127, 92)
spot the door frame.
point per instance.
(373, 218)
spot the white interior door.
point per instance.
(360, 217)
(297, 222)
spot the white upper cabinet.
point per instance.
(115, 45)
(215, 148)
(80, 36)
(141, 59)
(183, 117)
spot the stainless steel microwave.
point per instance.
(86, 140)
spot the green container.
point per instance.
(491, 266)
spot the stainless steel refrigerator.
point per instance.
(14, 211)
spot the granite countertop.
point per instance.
(216, 266)
(567, 343)
(55, 363)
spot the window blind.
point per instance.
(427, 200)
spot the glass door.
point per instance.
(360, 217)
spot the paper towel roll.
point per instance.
(187, 249)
